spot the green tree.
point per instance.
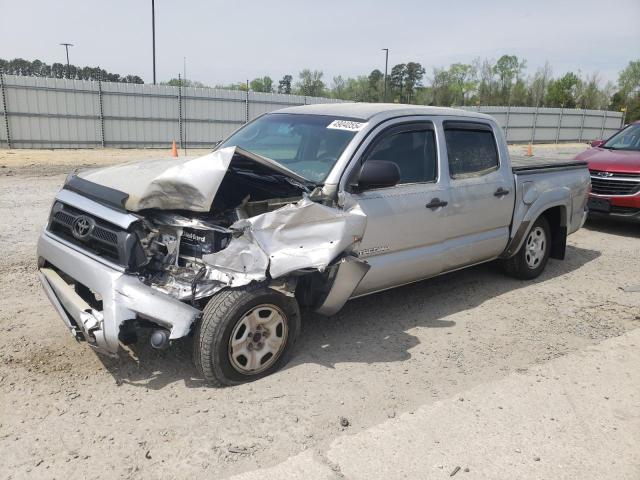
(37, 68)
(263, 84)
(338, 87)
(629, 79)
(310, 83)
(463, 78)
(487, 85)
(175, 82)
(357, 89)
(376, 86)
(397, 81)
(539, 85)
(507, 68)
(519, 93)
(589, 94)
(284, 85)
(442, 92)
(563, 91)
(414, 72)
(629, 93)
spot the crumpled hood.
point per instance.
(176, 184)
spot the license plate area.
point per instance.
(599, 205)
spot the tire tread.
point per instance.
(210, 329)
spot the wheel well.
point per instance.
(557, 219)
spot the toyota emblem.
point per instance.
(605, 174)
(82, 227)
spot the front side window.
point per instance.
(309, 145)
(471, 152)
(626, 139)
(413, 151)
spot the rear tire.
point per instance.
(529, 262)
(245, 333)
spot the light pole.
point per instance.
(386, 65)
(66, 47)
(153, 37)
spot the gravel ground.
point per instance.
(68, 413)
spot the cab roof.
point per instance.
(366, 111)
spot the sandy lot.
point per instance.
(67, 413)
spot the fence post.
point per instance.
(506, 127)
(5, 111)
(180, 109)
(604, 120)
(100, 105)
(535, 123)
(246, 107)
(559, 124)
(584, 113)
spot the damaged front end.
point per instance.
(190, 228)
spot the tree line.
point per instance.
(37, 68)
(502, 82)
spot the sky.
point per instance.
(226, 42)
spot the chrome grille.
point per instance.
(608, 183)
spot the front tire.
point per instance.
(529, 262)
(245, 334)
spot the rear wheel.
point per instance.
(245, 334)
(532, 257)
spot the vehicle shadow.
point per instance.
(614, 227)
(361, 331)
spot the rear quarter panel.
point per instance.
(540, 191)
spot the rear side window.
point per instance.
(414, 151)
(471, 150)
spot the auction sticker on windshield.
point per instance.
(347, 125)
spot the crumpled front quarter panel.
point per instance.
(306, 235)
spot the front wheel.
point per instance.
(532, 257)
(245, 334)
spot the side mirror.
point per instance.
(597, 143)
(378, 174)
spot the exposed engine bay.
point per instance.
(223, 220)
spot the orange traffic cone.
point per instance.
(529, 150)
(174, 150)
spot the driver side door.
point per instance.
(405, 234)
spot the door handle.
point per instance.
(436, 203)
(501, 192)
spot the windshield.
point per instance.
(309, 145)
(626, 139)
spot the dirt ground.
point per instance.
(67, 413)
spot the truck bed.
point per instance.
(532, 164)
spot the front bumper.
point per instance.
(124, 297)
(622, 207)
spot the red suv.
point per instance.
(615, 174)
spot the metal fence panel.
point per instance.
(60, 113)
(531, 124)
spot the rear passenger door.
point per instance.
(405, 235)
(481, 194)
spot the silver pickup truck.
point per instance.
(300, 209)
